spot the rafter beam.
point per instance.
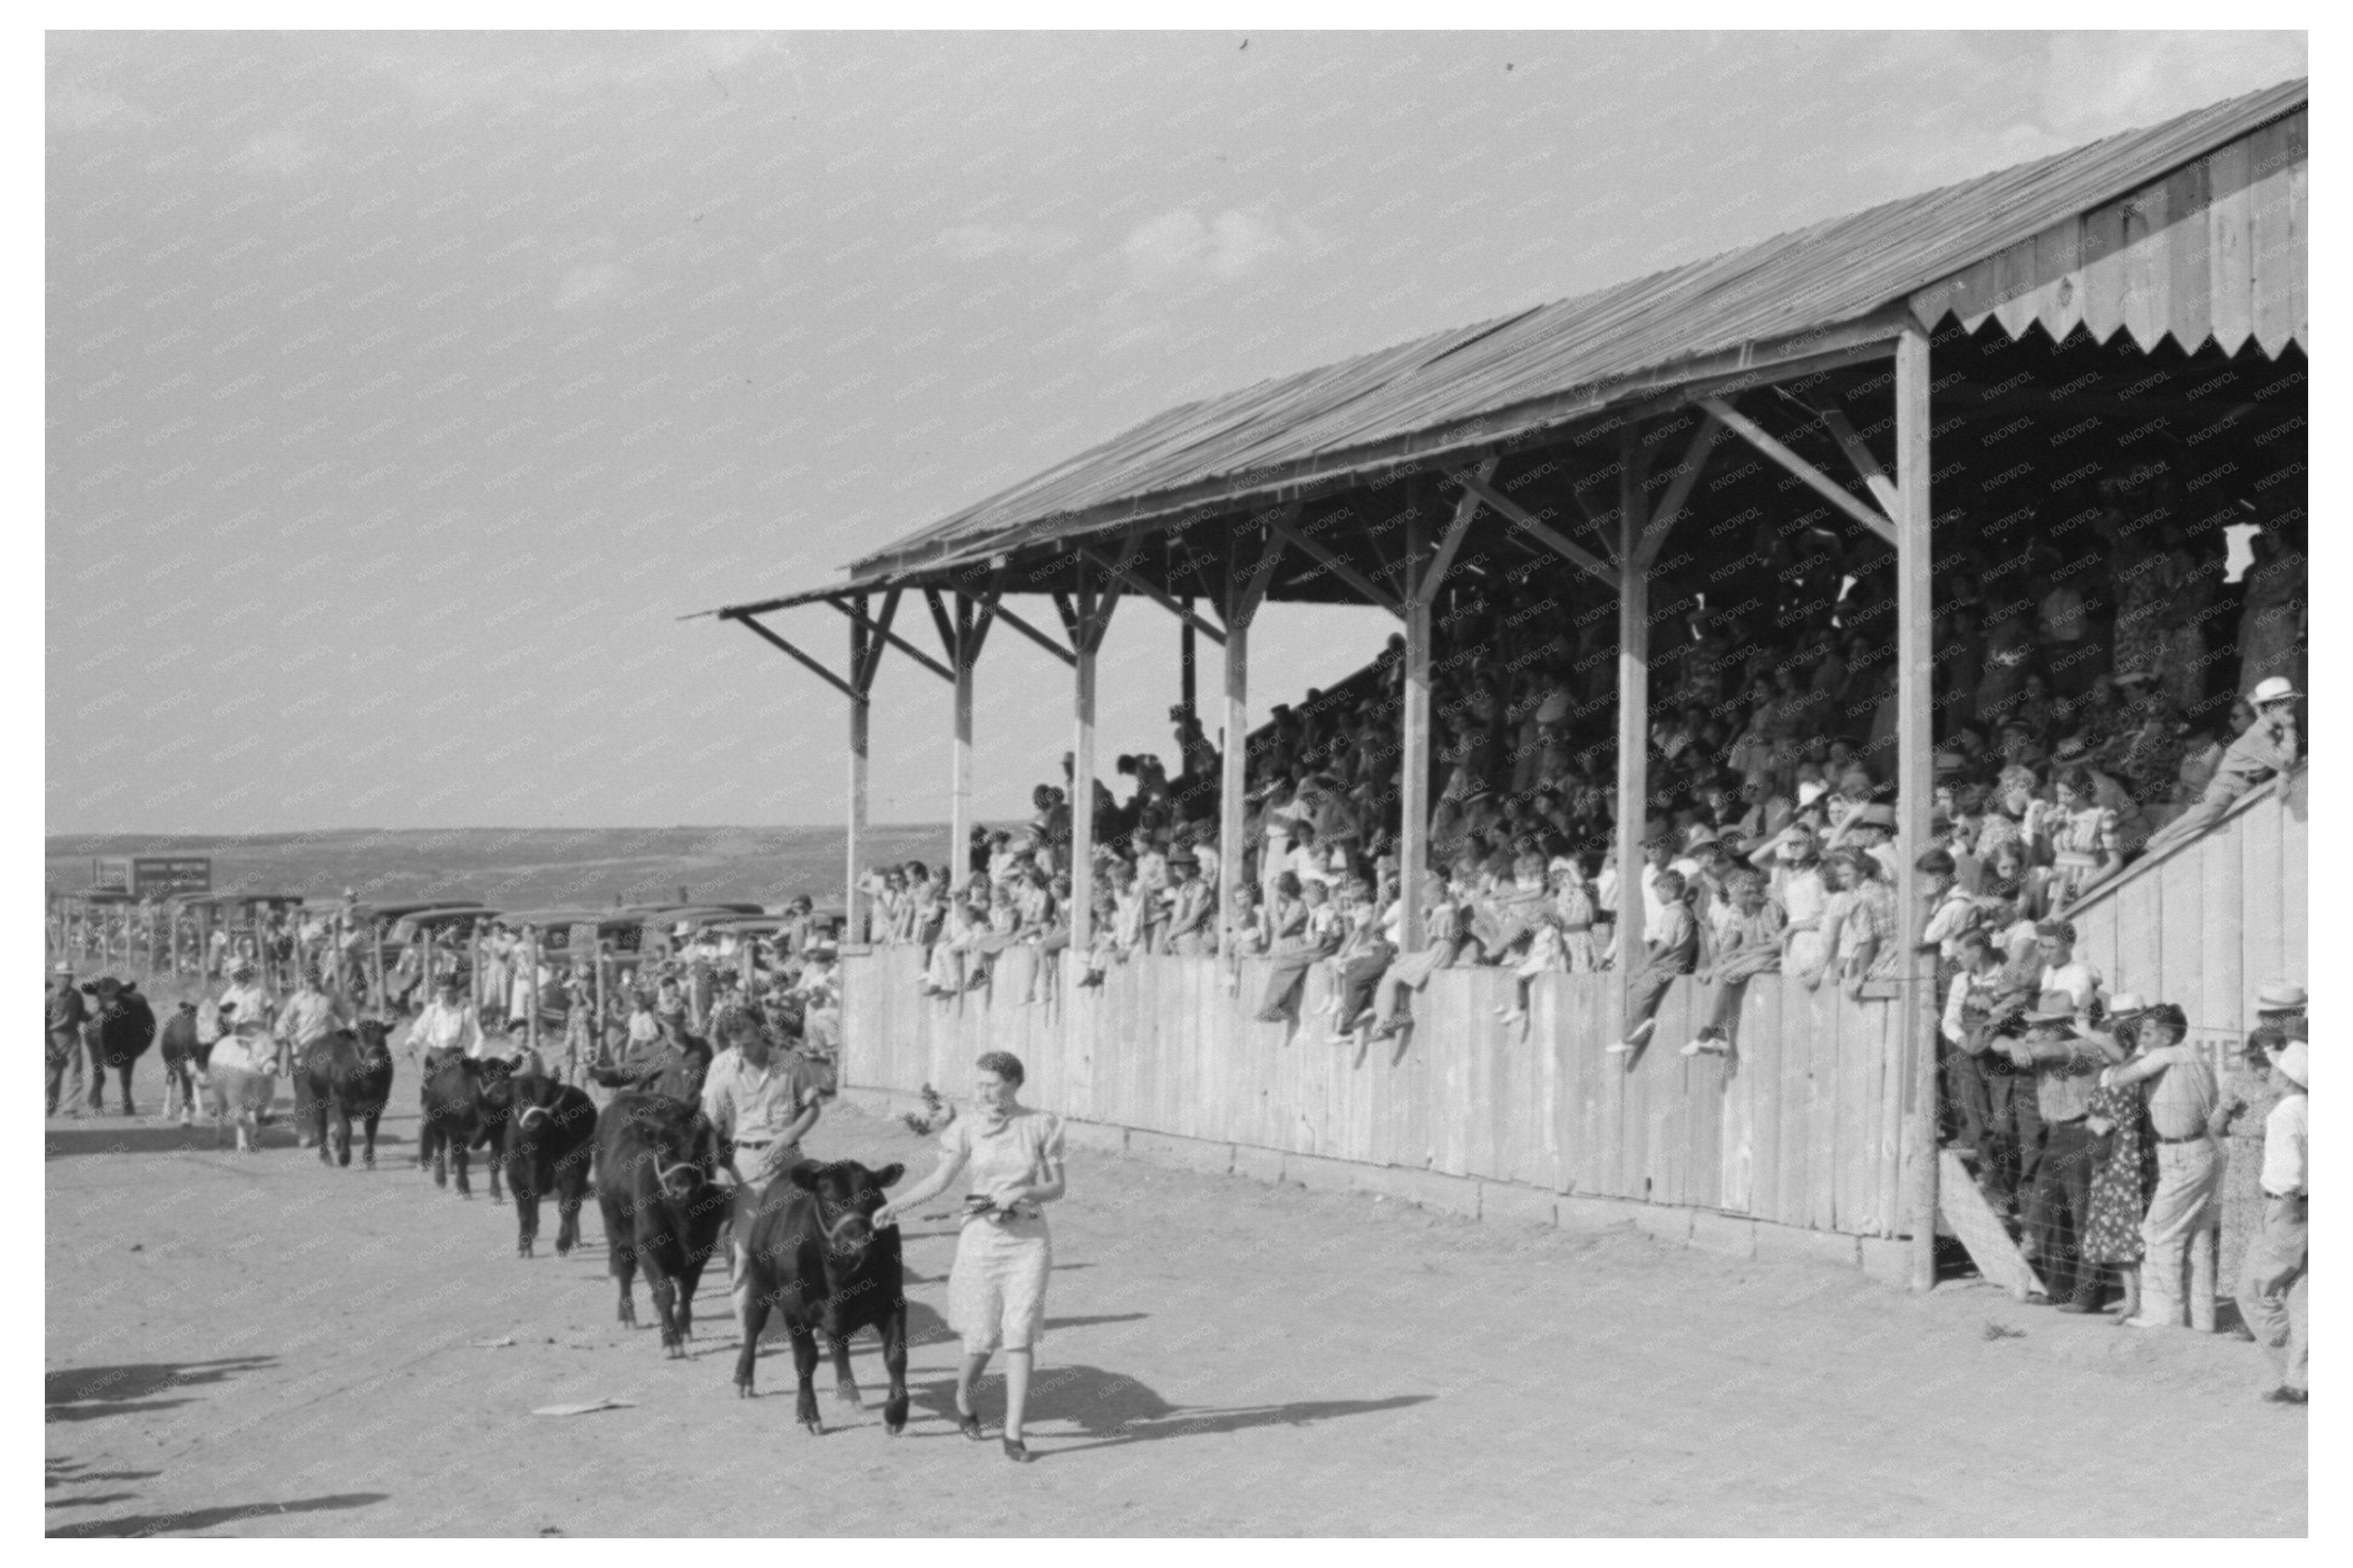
(1158, 597)
(818, 669)
(1821, 483)
(1519, 517)
(1339, 568)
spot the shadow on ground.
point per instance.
(1113, 1410)
(140, 1524)
(85, 1394)
(144, 1135)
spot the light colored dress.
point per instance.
(2247, 1101)
(997, 1288)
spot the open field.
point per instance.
(262, 1346)
(520, 868)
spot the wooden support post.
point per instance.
(597, 1032)
(1188, 656)
(531, 995)
(1082, 777)
(1233, 783)
(1913, 784)
(1245, 591)
(1633, 719)
(963, 657)
(861, 658)
(1413, 751)
(375, 985)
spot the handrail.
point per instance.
(2146, 864)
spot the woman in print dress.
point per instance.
(2249, 1092)
(2122, 1180)
(1012, 1157)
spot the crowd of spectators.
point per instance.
(2090, 706)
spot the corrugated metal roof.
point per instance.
(1330, 420)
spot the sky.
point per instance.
(403, 391)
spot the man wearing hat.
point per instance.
(247, 996)
(2280, 1004)
(2267, 751)
(1192, 907)
(67, 1012)
(2274, 1287)
(2066, 1063)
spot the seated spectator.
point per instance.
(1672, 950)
(1303, 935)
(1749, 946)
(2266, 750)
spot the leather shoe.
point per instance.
(2284, 1395)
(2080, 1307)
(1016, 1450)
(970, 1427)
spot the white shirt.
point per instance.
(2284, 1133)
(252, 1004)
(439, 1027)
(2077, 978)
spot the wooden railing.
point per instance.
(2207, 923)
(1802, 1126)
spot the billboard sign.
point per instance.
(154, 874)
(151, 876)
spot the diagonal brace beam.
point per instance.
(1519, 517)
(1821, 483)
(1005, 613)
(1337, 567)
(1671, 505)
(1433, 575)
(1156, 596)
(883, 629)
(821, 672)
(1874, 478)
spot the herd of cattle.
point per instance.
(811, 1252)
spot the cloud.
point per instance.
(979, 241)
(598, 284)
(1179, 249)
(280, 151)
(2098, 82)
(81, 108)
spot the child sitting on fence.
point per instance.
(1668, 953)
(1300, 939)
(1750, 946)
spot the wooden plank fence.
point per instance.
(1801, 1127)
(2207, 923)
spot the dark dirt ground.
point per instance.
(262, 1346)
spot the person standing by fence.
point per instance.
(2185, 1210)
(2274, 1287)
(62, 1052)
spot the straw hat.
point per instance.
(2272, 688)
(2279, 996)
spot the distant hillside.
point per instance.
(519, 867)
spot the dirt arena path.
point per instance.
(260, 1346)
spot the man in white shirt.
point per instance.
(252, 1003)
(2062, 970)
(761, 1107)
(448, 1023)
(2275, 1286)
